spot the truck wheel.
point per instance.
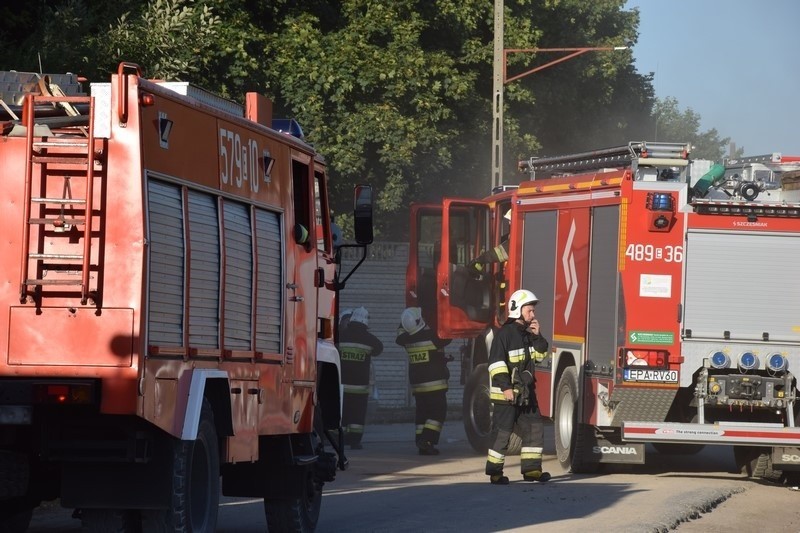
(298, 515)
(14, 518)
(109, 520)
(756, 462)
(477, 413)
(570, 434)
(195, 483)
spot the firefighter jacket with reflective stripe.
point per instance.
(357, 346)
(427, 363)
(513, 347)
(498, 254)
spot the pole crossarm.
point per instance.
(574, 53)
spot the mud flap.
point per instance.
(610, 449)
(786, 458)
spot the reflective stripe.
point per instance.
(532, 449)
(420, 346)
(501, 253)
(419, 429)
(355, 428)
(499, 367)
(539, 356)
(429, 386)
(355, 389)
(516, 356)
(496, 393)
(433, 425)
(354, 351)
(531, 453)
(495, 457)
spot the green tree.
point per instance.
(395, 94)
(673, 125)
(398, 94)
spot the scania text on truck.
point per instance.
(671, 305)
(169, 306)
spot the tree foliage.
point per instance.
(396, 94)
(673, 125)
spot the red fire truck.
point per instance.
(169, 306)
(673, 311)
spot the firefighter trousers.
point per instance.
(354, 414)
(431, 410)
(531, 428)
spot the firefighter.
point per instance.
(512, 390)
(357, 346)
(428, 375)
(498, 254)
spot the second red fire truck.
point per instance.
(672, 305)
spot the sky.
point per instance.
(736, 63)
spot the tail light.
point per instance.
(645, 358)
(63, 393)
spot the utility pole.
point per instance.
(497, 95)
(500, 79)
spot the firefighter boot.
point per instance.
(426, 448)
(536, 475)
(498, 479)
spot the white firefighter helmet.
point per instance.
(507, 216)
(344, 317)
(517, 300)
(411, 320)
(360, 315)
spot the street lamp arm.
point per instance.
(575, 52)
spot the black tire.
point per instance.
(670, 448)
(109, 520)
(756, 462)
(570, 434)
(195, 483)
(297, 515)
(14, 518)
(477, 413)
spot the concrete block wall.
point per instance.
(379, 285)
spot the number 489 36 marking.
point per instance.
(648, 253)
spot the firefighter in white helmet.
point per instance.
(357, 347)
(428, 375)
(512, 390)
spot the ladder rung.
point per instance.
(61, 160)
(63, 201)
(58, 222)
(66, 257)
(72, 142)
(53, 282)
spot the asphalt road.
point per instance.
(389, 488)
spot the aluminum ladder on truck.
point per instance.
(629, 155)
(64, 152)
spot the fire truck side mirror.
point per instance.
(362, 214)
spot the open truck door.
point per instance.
(445, 240)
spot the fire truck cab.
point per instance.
(671, 309)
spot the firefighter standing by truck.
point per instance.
(513, 351)
(357, 346)
(428, 375)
